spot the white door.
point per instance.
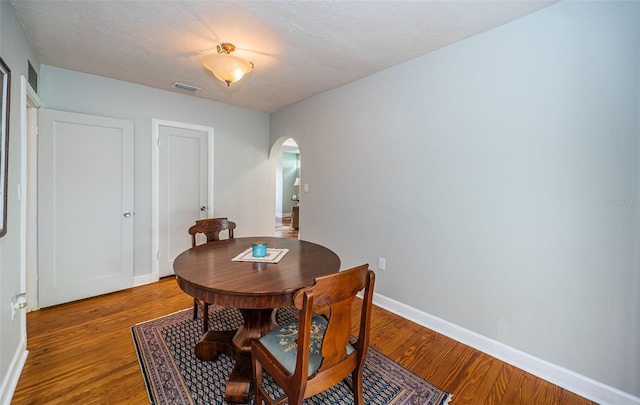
(183, 189)
(85, 206)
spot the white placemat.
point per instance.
(273, 256)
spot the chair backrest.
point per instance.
(211, 228)
(333, 296)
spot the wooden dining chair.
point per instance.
(211, 228)
(313, 353)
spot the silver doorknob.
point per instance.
(127, 214)
(203, 208)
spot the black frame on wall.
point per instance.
(5, 100)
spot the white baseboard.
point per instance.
(10, 381)
(562, 377)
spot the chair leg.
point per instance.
(205, 318)
(195, 309)
(296, 398)
(205, 315)
(356, 386)
(257, 378)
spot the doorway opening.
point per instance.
(29, 205)
(288, 190)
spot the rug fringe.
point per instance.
(446, 399)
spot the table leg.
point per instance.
(215, 342)
(257, 322)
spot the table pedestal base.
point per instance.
(237, 344)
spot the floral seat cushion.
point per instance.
(282, 342)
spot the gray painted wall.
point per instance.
(498, 177)
(243, 175)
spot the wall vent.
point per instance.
(186, 87)
(33, 76)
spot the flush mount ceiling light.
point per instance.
(225, 66)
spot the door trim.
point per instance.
(28, 251)
(155, 189)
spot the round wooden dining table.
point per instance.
(209, 273)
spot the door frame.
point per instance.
(155, 188)
(28, 197)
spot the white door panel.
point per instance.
(183, 189)
(85, 190)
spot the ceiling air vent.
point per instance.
(186, 87)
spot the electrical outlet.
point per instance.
(382, 263)
(18, 302)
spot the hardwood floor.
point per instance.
(284, 228)
(82, 352)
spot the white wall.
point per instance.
(498, 177)
(244, 178)
(15, 51)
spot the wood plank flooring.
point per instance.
(284, 228)
(83, 353)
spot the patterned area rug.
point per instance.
(173, 375)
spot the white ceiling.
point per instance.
(299, 48)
